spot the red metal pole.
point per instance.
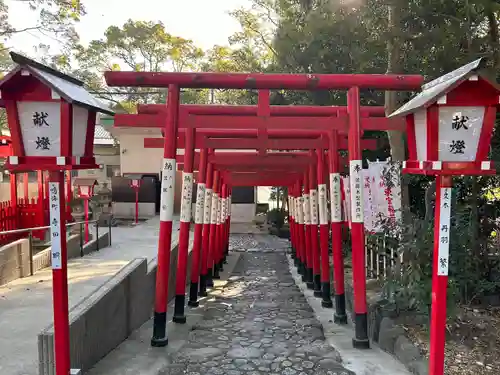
(357, 227)
(185, 219)
(26, 186)
(86, 208)
(340, 316)
(323, 232)
(213, 228)
(313, 200)
(59, 273)
(440, 274)
(307, 224)
(207, 217)
(159, 338)
(136, 204)
(198, 230)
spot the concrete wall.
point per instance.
(243, 213)
(14, 261)
(134, 158)
(104, 319)
(43, 258)
(126, 210)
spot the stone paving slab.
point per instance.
(260, 324)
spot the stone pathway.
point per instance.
(260, 323)
(257, 243)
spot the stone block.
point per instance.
(388, 334)
(405, 351)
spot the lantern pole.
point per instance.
(440, 274)
(357, 227)
(86, 210)
(59, 272)
(198, 229)
(340, 316)
(185, 219)
(160, 338)
(323, 232)
(313, 200)
(207, 215)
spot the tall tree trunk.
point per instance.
(396, 141)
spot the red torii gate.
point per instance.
(352, 83)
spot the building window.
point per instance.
(112, 171)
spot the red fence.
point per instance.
(27, 214)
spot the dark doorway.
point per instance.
(157, 188)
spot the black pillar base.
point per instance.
(179, 315)
(296, 262)
(326, 300)
(193, 295)
(340, 316)
(159, 330)
(221, 266)
(210, 282)
(203, 286)
(360, 340)
(317, 286)
(216, 274)
(309, 276)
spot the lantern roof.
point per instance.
(438, 87)
(85, 182)
(66, 86)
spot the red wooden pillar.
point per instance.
(307, 233)
(218, 232)
(213, 228)
(13, 201)
(357, 227)
(185, 223)
(313, 200)
(69, 195)
(160, 338)
(228, 220)
(439, 279)
(301, 232)
(324, 231)
(207, 217)
(198, 230)
(291, 221)
(340, 316)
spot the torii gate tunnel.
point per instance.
(319, 128)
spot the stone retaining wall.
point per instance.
(43, 258)
(383, 330)
(14, 261)
(105, 318)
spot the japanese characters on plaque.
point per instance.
(300, 209)
(215, 207)
(336, 198)
(459, 131)
(200, 203)
(40, 124)
(186, 197)
(356, 181)
(224, 210)
(444, 231)
(207, 211)
(314, 206)
(167, 190)
(322, 205)
(55, 225)
(307, 209)
(219, 210)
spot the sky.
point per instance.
(206, 22)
